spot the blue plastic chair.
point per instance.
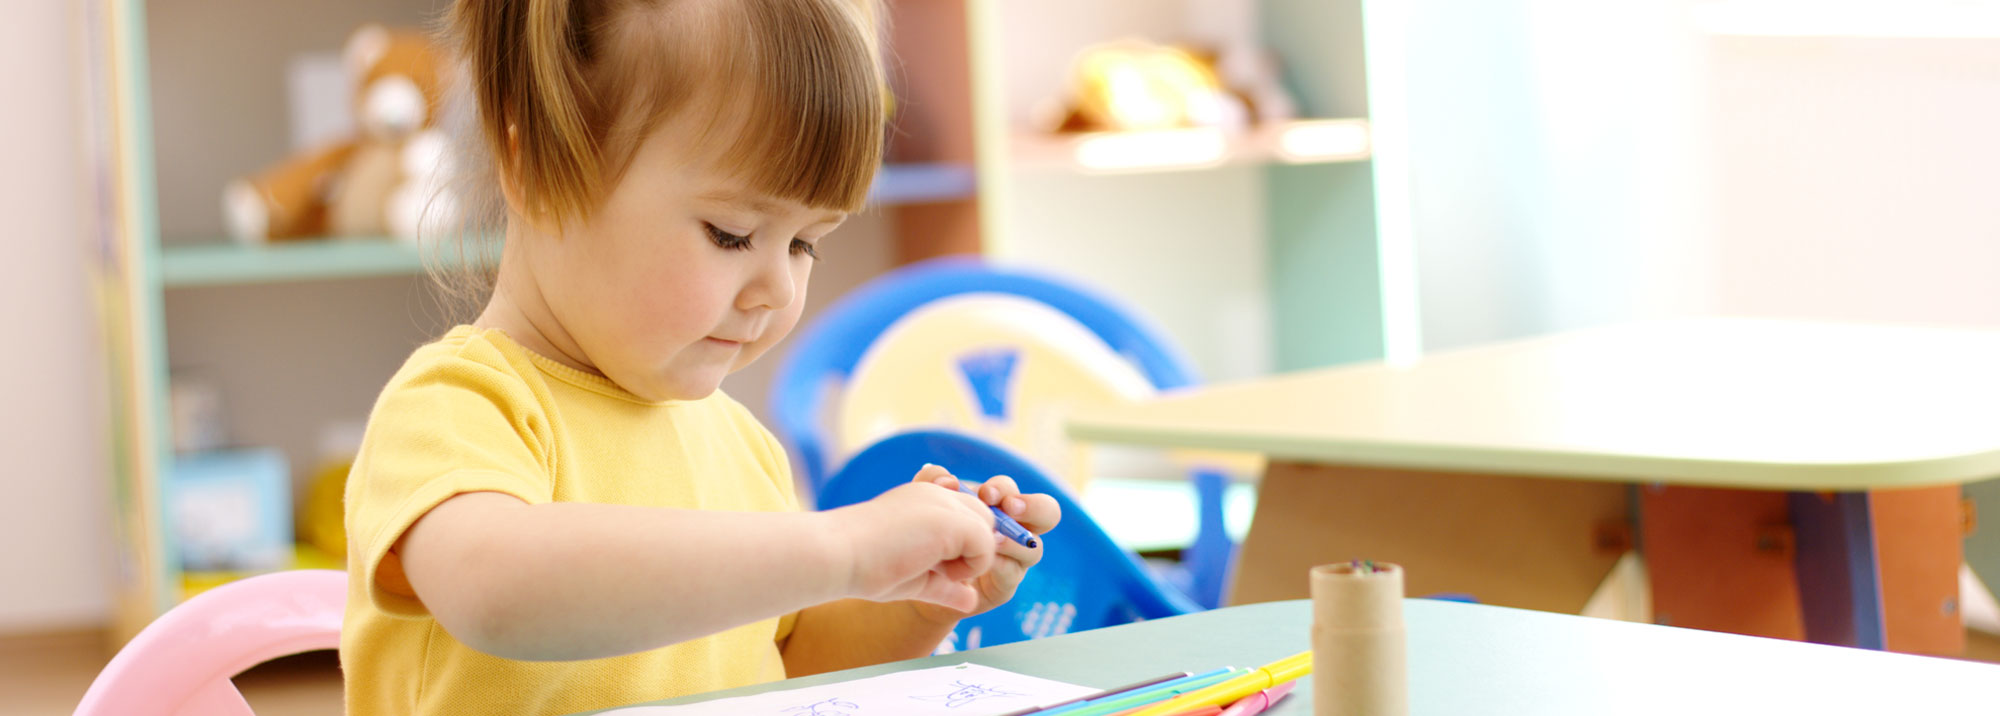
(1084, 581)
(826, 352)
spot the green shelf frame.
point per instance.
(224, 263)
(219, 264)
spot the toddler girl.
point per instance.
(554, 509)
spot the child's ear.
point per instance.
(536, 213)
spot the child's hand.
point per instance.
(1039, 513)
(920, 543)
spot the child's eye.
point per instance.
(801, 246)
(725, 239)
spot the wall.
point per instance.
(55, 518)
(1857, 178)
(1558, 165)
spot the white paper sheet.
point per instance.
(962, 690)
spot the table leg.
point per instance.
(1919, 536)
(1720, 560)
(1838, 571)
(1876, 570)
(1506, 540)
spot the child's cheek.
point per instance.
(781, 325)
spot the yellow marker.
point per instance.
(1227, 692)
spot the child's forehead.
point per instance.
(736, 194)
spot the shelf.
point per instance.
(225, 263)
(922, 183)
(304, 556)
(1315, 141)
(1878, 20)
(215, 264)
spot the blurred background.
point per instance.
(1300, 183)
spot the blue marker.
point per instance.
(1004, 524)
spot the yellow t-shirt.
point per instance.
(477, 412)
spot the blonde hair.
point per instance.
(567, 90)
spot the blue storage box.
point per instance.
(231, 509)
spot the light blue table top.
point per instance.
(1476, 659)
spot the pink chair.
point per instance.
(182, 662)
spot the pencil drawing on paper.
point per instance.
(827, 707)
(962, 693)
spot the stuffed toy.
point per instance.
(384, 180)
(1135, 85)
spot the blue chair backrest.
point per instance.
(1084, 580)
(827, 349)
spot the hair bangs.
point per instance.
(784, 95)
(809, 128)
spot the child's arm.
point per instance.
(580, 581)
(851, 633)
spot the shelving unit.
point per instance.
(1322, 141)
(1266, 257)
(221, 262)
(1258, 261)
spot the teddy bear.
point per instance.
(386, 179)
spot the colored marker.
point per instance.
(1004, 524)
(1180, 684)
(1256, 703)
(1101, 694)
(1289, 668)
(1117, 704)
(1203, 711)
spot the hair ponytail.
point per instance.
(526, 62)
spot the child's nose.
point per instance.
(771, 287)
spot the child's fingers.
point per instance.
(938, 589)
(974, 550)
(936, 474)
(1014, 552)
(1037, 512)
(997, 490)
(960, 569)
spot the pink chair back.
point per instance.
(182, 662)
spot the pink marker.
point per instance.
(1257, 702)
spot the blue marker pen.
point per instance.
(1004, 524)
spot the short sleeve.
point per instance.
(444, 427)
(767, 450)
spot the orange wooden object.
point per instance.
(933, 122)
(1721, 560)
(1919, 541)
(1513, 541)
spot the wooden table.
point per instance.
(1495, 661)
(1774, 460)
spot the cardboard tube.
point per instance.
(1359, 663)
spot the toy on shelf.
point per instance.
(1136, 85)
(385, 180)
(232, 510)
(322, 519)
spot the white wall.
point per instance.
(54, 510)
(1576, 162)
(1859, 178)
(1184, 249)
(1558, 165)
